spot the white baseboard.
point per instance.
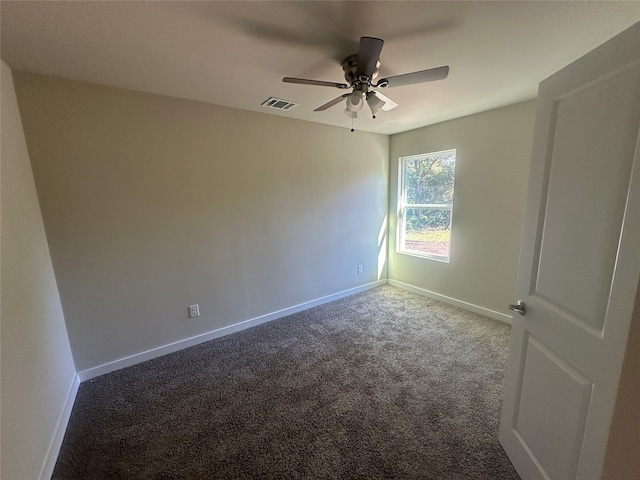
(61, 428)
(458, 303)
(189, 342)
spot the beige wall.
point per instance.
(38, 375)
(493, 152)
(153, 203)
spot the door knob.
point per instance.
(519, 307)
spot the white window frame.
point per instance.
(403, 205)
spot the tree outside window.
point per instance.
(425, 204)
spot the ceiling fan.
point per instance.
(360, 70)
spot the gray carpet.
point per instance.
(383, 384)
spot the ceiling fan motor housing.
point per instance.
(350, 67)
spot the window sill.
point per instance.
(411, 253)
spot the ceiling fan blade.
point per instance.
(388, 103)
(368, 55)
(430, 75)
(321, 83)
(330, 104)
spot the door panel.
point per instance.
(581, 230)
(554, 400)
(579, 266)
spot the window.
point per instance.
(425, 204)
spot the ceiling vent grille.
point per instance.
(279, 104)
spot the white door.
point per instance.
(579, 265)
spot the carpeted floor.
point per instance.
(383, 384)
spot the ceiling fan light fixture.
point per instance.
(355, 101)
(375, 103)
(350, 113)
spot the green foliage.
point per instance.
(427, 218)
(429, 180)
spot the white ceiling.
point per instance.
(236, 53)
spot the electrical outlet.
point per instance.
(359, 269)
(194, 311)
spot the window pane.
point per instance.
(429, 179)
(428, 230)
